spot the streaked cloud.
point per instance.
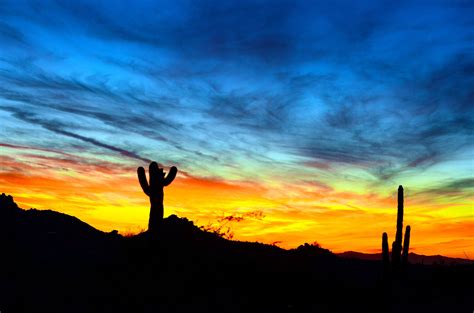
(302, 110)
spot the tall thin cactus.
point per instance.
(397, 244)
(398, 259)
(154, 190)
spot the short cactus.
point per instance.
(385, 253)
(398, 259)
(406, 245)
(154, 190)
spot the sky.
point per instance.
(301, 118)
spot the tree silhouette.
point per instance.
(154, 190)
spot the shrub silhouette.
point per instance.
(153, 188)
(399, 258)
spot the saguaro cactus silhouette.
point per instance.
(397, 257)
(154, 190)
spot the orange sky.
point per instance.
(308, 113)
(108, 196)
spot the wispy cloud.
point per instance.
(361, 96)
(349, 100)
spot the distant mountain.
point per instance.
(412, 258)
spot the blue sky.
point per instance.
(369, 92)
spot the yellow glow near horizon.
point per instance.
(290, 214)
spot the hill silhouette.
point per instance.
(53, 262)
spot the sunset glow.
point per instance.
(311, 122)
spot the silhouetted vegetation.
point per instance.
(53, 262)
(154, 190)
(399, 256)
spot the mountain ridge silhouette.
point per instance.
(56, 263)
(413, 257)
(43, 216)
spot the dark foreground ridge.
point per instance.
(414, 258)
(52, 262)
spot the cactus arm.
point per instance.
(394, 248)
(406, 245)
(143, 181)
(171, 176)
(385, 255)
(385, 249)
